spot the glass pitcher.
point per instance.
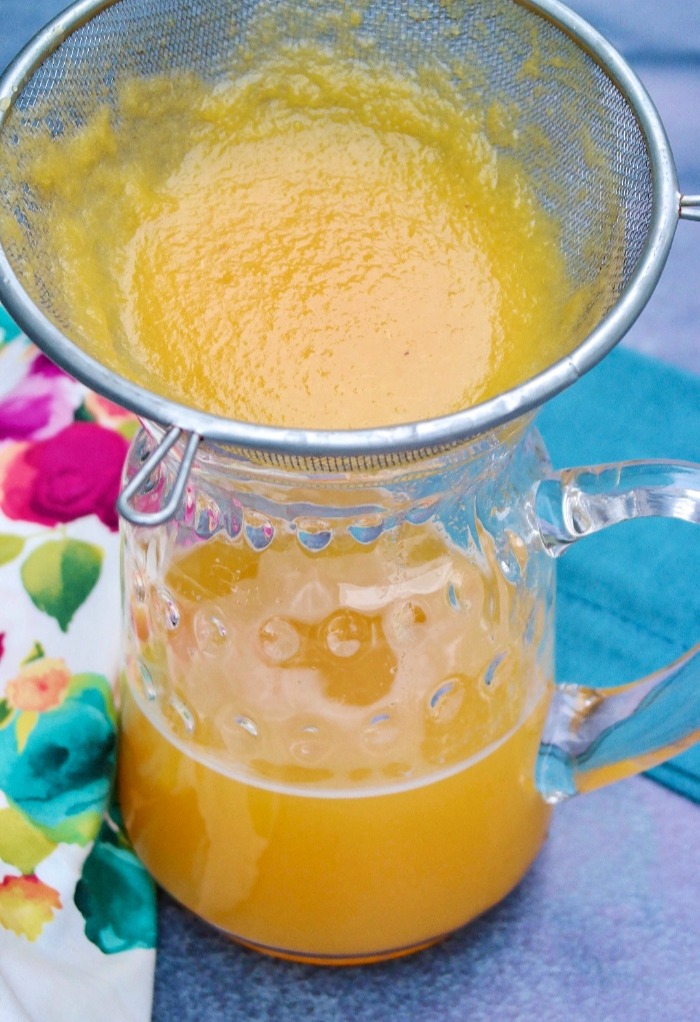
(336, 685)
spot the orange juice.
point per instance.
(342, 875)
(329, 769)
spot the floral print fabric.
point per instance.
(77, 909)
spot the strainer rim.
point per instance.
(377, 441)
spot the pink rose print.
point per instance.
(40, 685)
(75, 473)
(43, 366)
(41, 404)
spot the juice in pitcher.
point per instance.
(327, 769)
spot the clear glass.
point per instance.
(336, 687)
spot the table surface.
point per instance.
(607, 924)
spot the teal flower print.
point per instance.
(58, 771)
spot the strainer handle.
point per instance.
(163, 514)
(596, 735)
(690, 207)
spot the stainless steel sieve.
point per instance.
(587, 133)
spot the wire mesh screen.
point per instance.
(546, 102)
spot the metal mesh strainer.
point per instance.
(596, 153)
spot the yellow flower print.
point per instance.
(40, 685)
(27, 905)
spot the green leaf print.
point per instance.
(82, 414)
(5, 711)
(21, 843)
(60, 575)
(10, 547)
(37, 652)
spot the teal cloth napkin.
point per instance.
(628, 598)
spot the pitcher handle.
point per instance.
(596, 735)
